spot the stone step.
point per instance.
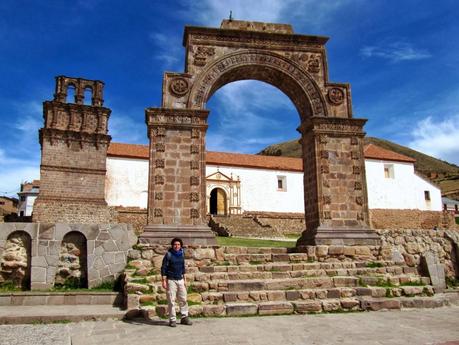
(31, 298)
(279, 273)
(58, 313)
(358, 303)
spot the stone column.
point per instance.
(336, 205)
(177, 187)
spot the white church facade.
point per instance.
(238, 183)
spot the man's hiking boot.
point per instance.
(172, 323)
(186, 321)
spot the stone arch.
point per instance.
(16, 259)
(72, 269)
(218, 203)
(335, 197)
(277, 70)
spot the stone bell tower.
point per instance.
(74, 143)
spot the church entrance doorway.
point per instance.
(218, 202)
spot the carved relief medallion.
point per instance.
(179, 86)
(336, 96)
(356, 170)
(358, 186)
(194, 181)
(327, 199)
(160, 147)
(159, 179)
(194, 165)
(359, 200)
(158, 196)
(159, 163)
(194, 149)
(195, 133)
(158, 212)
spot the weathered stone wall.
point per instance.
(107, 246)
(135, 216)
(409, 245)
(72, 267)
(411, 219)
(282, 223)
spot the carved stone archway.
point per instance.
(336, 206)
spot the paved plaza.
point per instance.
(414, 327)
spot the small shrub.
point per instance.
(70, 283)
(191, 289)
(147, 304)
(8, 286)
(194, 303)
(452, 282)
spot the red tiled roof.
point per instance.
(375, 152)
(251, 161)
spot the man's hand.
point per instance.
(164, 283)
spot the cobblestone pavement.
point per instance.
(414, 327)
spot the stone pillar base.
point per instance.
(190, 234)
(339, 236)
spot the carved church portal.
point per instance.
(336, 208)
(218, 202)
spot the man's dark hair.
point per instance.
(176, 239)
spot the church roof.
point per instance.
(252, 161)
(375, 152)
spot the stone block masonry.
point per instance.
(107, 247)
(74, 144)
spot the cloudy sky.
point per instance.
(400, 57)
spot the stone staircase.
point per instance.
(36, 306)
(241, 225)
(263, 281)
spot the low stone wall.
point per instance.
(411, 219)
(135, 216)
(107, 246)
(409, 245)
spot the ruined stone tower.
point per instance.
(74, 144)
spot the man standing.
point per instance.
(173, 281)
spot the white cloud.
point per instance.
(438, 138)
(395, 52)
(124, 129)
(14, 171)
(168, 51)
(249, 116)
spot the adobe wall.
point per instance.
(107, 247)
(135, 216)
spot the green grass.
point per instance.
(191, 289)
(193, 303)
(293, 236)
(253, 242)
(9, 287)
(452, 282)
(162, 301)
(255, 262)
(418, 283)
(373, 264)
(147, 304)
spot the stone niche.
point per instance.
(90, 253)
(16, 257)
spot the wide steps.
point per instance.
(346, 304)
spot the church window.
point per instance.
(388, 170)
(427, 195)
(282, 183)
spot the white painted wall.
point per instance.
(126, 183)
(259, 189)
(404, 191)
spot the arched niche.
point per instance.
(72, 270)
(16, 260)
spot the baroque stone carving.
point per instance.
(159, 163)
(336, 96)
(194, 165)
(159, 179)
(356, 170)
(160, 147)
(360, 216)
(194, 196)
(194, 213)
(354, 155)
(359, 200)
(327, 199)
(357, 186)
(201, 54)
(179, 86)
(324, 154)
(195, 133)
(323, 139)
(194, 180)
(263, 59)
(194, 148)
(327, 215)
(324, 169)
(158, 196)
(314, 64)
(159, 132)
(158, 212)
